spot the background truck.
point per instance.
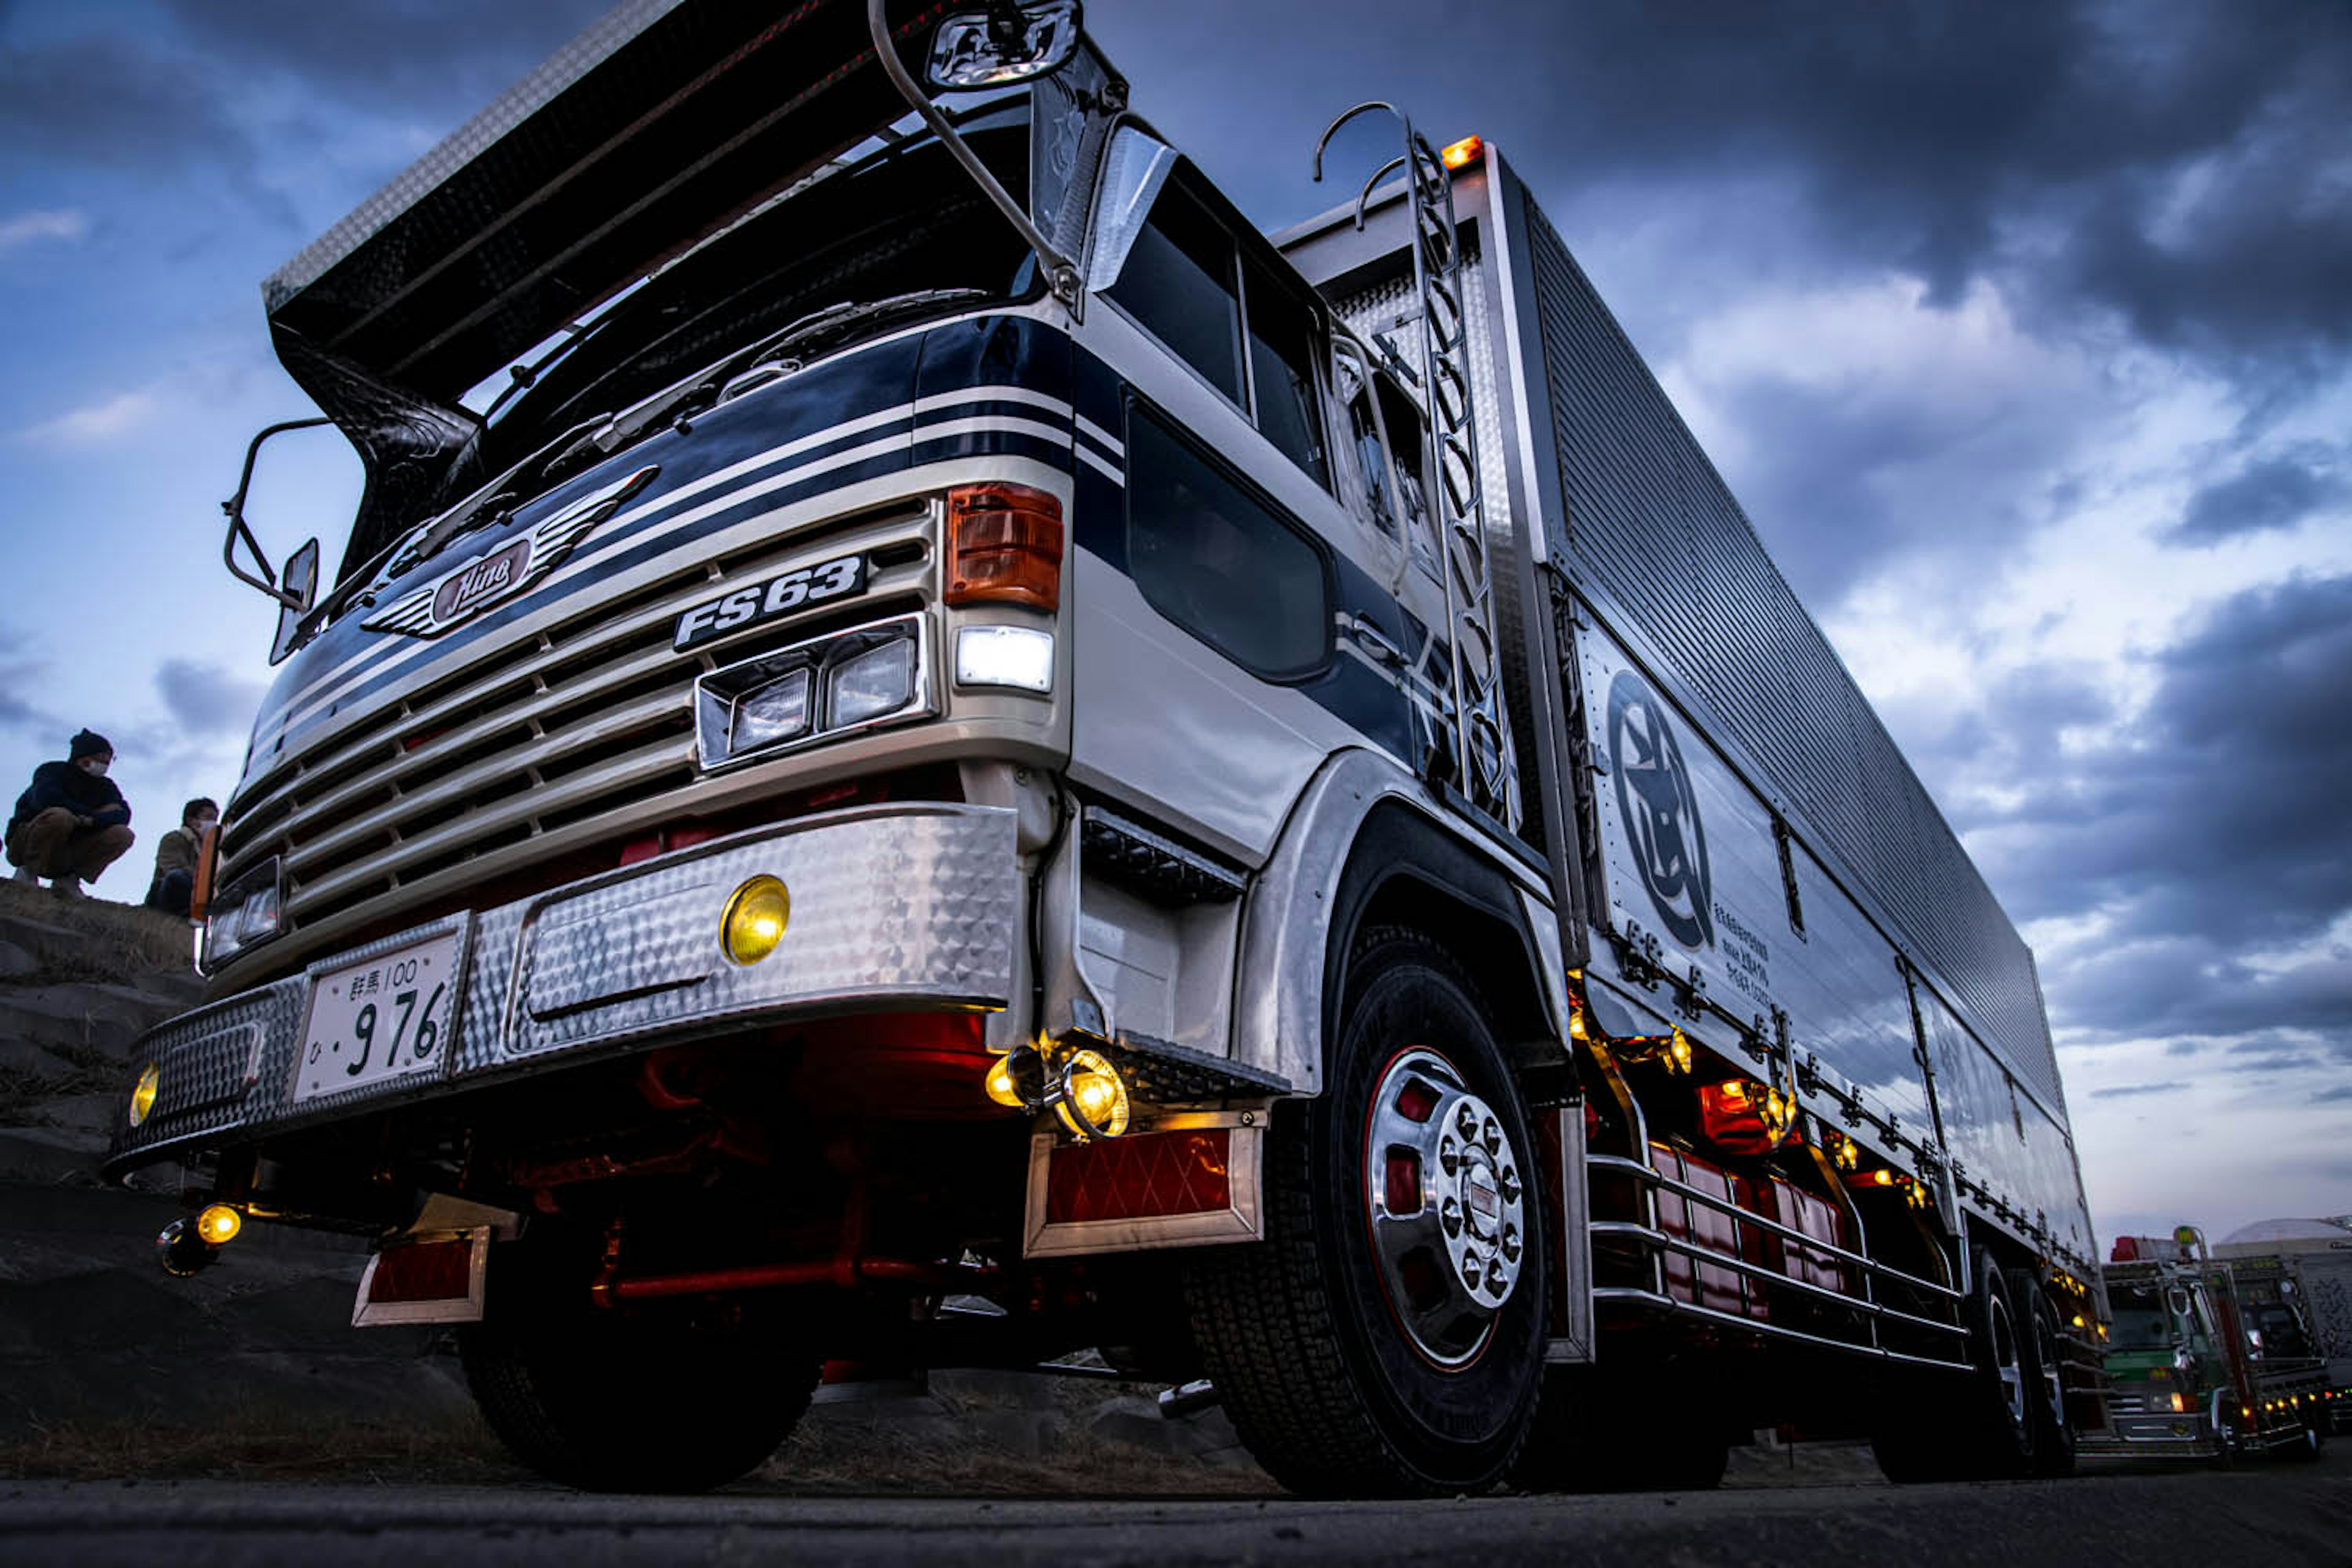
(2308, 1263)
(2205, 1362)
(973, 758)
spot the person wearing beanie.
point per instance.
(71, 822)
(176, 855)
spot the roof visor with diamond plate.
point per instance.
(649, 132)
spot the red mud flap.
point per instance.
(1177, 1187)
(435, 1278)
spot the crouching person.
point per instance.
(71, 822)
(176, 855)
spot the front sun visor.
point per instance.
(646, 134)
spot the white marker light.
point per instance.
(1004, 656)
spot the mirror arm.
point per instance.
(1061, 274)
(267, 578)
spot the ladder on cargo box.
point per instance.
(1486, 759)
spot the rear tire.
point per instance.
(1975, 1426)
(2045, 1375)
(610, 1400)
(1386, 1337)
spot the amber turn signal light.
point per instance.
(1004, 546)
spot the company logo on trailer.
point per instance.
(1660, 811)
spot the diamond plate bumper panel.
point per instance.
(910, 905)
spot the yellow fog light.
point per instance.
(999, 1085)
(754, 923)
(1093, 1103)
(218, 1225)
(142, 1097)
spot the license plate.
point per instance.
(384, 1018)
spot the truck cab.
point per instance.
(2197, 1366)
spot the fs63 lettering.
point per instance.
(835, 579)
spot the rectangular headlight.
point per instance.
(870, 685)
(776, 711)
(244, 914)
(1019, 656)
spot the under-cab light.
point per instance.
(1018, 656)
(218, 1225)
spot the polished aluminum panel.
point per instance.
(1690, 857)
(905, 905)
(1651, 533)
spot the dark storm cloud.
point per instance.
(114, 103)
(2276, 493)
(416, 53)
(2216, 830)
(205, 700)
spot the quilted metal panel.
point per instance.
(208, 1060)
(1657, 539)
(901, 904)
(912, 903)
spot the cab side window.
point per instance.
(1211, 557)
(1179, 283)
(1249, 332)
(1282, 359)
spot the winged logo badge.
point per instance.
(457, 596)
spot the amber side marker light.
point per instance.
(218, 1225)
(1465, 153)
(1004, 546)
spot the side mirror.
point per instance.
(297, 586)
(1011, 41)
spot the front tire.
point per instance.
(604, 1399)
(1387, 1337)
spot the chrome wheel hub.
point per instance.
(2007, 1364)
(1447, 1200)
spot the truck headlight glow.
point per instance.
(870, 685)
(756, 914)
(142, 1099)
(1018, 656)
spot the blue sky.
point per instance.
(2022, 333)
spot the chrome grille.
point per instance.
(542, 742)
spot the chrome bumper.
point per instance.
(912, 905)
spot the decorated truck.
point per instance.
(927, 749)
(2307, 1265)
(2208, 1358)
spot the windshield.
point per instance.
(2141, 1321)
(903, 228)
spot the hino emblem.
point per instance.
(455, 597)
(1660, 811)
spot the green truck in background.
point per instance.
(2203, 1362)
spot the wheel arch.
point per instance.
(1364, 846)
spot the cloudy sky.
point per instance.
(2022, 333)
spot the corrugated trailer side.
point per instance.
(1818, 886)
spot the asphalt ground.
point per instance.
(2140, 1514)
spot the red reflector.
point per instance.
(1004, 546)
(1402, 1184)
(1415, 1100)
(1140, 1177)
(423, 1272)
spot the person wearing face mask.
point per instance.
(176, 855)
(71, 822)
